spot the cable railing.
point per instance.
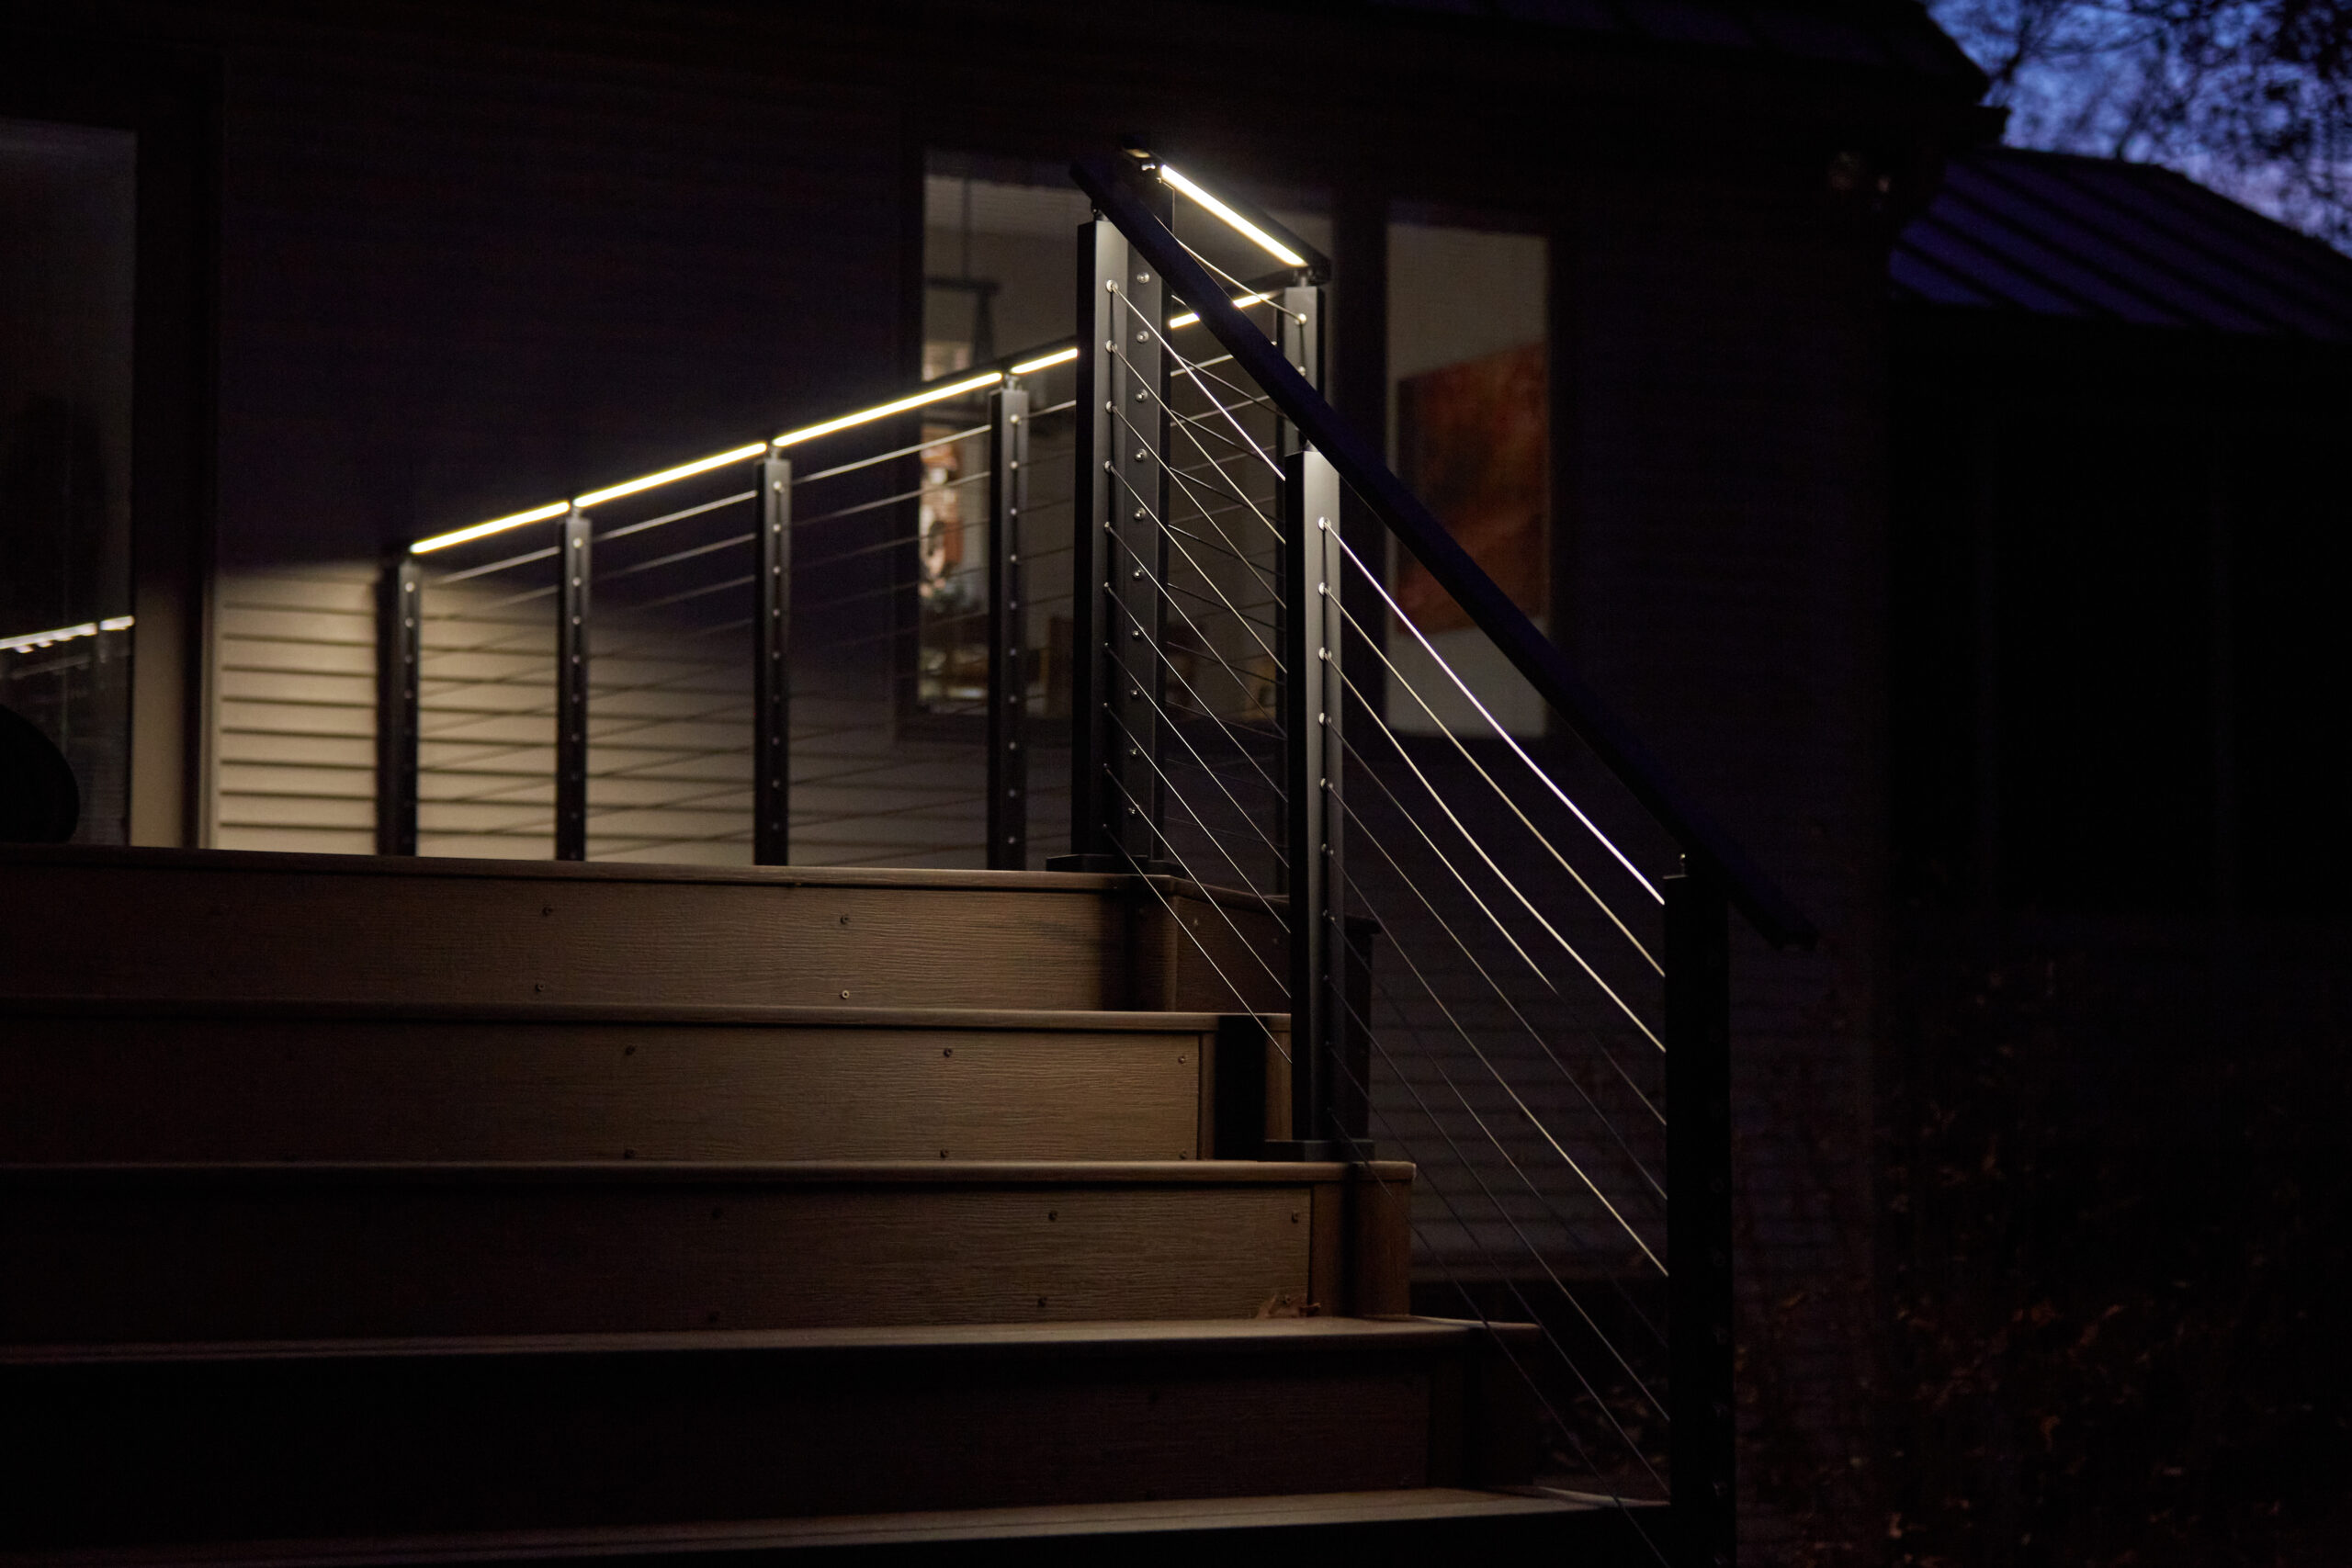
(1142, 590)
(1493, 964)
(786, 651)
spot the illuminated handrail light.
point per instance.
(25, 642)
(683, 470)
(495, 526)
(1063, 357)
(1192, 318)
(737, 455)
(1239, 224)
(884, 411)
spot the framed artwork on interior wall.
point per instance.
(1473, 442)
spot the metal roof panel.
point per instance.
(2070, 235)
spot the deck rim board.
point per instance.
(1108, 1338)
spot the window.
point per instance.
(1469, 432)
(68, 217)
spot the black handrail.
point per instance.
(1535, 657)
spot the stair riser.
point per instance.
(188, 1258)
(115, 1455)
(198, 925)
(97, 1089)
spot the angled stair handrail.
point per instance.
(1535, 657)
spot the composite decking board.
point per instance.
(274, 1251)
(268, 862)
(189, 924)
(1285, 1337)
(1087, 1522)
(444, 1083)
(632, 1014)
(313, 1440)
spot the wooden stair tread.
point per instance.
(136, 1253)
(1192, 1517)
(768, 1173)
(280, 862)
(780, 1016)
(1219, 1338)
(188, 923)
(111, 1079)
(128, 1446)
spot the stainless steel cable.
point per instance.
(669, 518)
(1438, 798)
(1496, 725)
(1373, 838)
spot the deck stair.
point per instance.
(386, 1209)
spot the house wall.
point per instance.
(471, 261)
(1728, 508)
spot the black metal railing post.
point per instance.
(1699, 1233)
(1506, 626)
(1299, 335)
(772, 673)
(571, 690)
(399, 614)
(1312, 781)
(1008, 768)
(1118, 613)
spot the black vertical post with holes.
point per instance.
(571, 690)
(1311, 784)
(1698, 1236)
(1118, 686)
(399, 594)
(1008, 698)
(771, 668)
(1299, 335)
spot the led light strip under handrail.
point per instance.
(25, 642)
(759, 448)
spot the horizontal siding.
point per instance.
(294, 753)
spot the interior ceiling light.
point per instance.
(495, 526)
(970, 384)
(25, 642)
(1240, 225)
(1048, 362)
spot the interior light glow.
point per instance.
(683, 470)
(1240, 225)
(25, 642)
(1064, 358)
(495, 526)
(954, 388)
(1191, 318)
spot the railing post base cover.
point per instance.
(1117, 864)
(1347, 1150)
